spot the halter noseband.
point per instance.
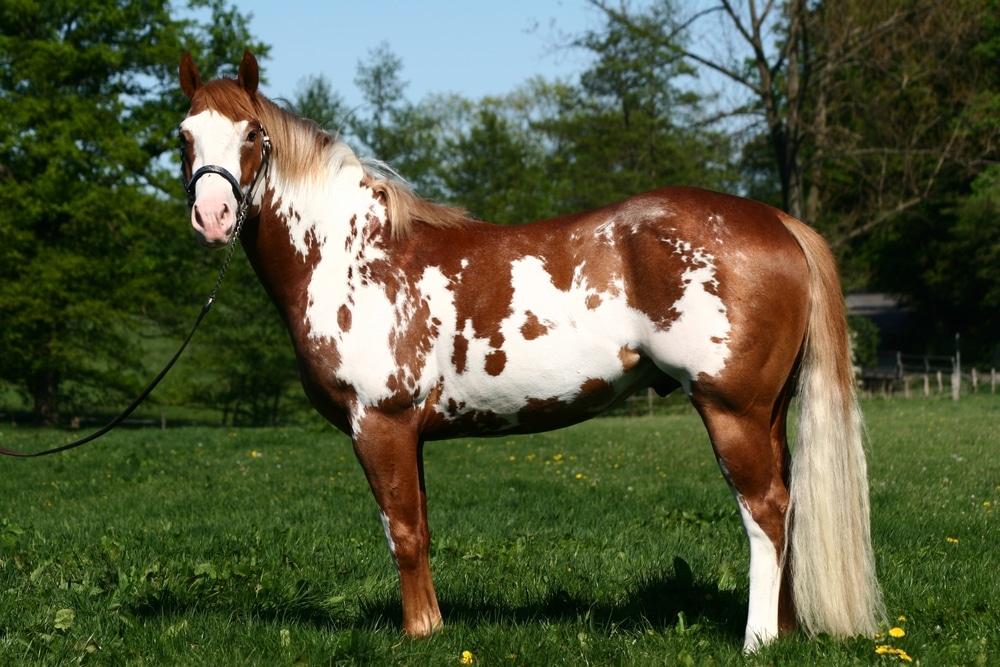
(241, 196)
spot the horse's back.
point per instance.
(551, 320)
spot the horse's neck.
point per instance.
(331, 221)
(328, 212)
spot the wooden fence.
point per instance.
(925, 375)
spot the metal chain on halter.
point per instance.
(241, 215)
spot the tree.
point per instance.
(499, 161)
(88, 107)
(629, 126)
(317, 101)
(860, 98)
(400, 133)
(874, 119)
(244, 364)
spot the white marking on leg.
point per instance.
(765, 584)
(388, 538)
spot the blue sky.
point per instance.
(469, 48)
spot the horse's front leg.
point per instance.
(391, 454)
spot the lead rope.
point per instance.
(241, 215)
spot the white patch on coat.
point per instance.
(319, 208)
(338, 216)
(697, 341)
(581, 343)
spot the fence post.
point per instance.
(940, 380)
(927, 384)
(975, 381)
(956, 373)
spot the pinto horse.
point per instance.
(412, 322)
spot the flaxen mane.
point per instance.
(314, 149)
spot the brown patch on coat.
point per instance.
(460, 353)
(344, 318)
(496, 361)
(533, 327)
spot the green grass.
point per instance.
(612, 543)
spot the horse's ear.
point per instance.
(190, 79)
(249, 76)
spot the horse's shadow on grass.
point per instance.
(661, 603)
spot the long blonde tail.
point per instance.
(834, 587)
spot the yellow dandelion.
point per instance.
(952, 540)
(254, 454)
(467, 658)
(901, 619)
(897, 632)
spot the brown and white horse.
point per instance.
(412, 322)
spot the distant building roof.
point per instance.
(889, 315)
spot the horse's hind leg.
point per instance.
(392, 457)
(752, 452)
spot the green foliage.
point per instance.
(498, 170)
(945, 262)
(316, 100)
(88, 107)
(615, 542)
(864, 340)
(400, 133)
(244, 363)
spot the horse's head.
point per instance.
(224, 149)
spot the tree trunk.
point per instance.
(45, 394)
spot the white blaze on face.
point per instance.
(217, 141)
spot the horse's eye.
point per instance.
(252, 137)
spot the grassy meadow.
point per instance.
(615, 542)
